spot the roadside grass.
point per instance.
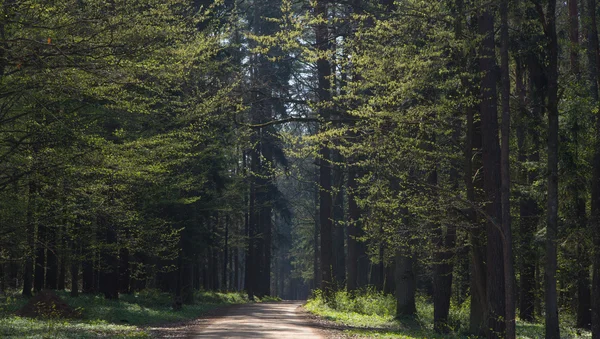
(123, 318)
(370, 314)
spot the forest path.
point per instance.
(262, 320)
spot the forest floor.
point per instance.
(371, 315)
(140, 315)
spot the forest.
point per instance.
(439, 152)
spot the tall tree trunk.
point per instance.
(40, 258)
(339, 256)
(389, 286)
(226, 252)
(87, 267)
(51, 259)
(552, 329)
(442, 277)
(124, 271)
(325, 198)
(509, 274)
(28, 269)
(473, 181)
(405, 285)
(593, 50)
(266, 239)
(62, 268)
(574, 35)
(352, 230)
(491, 181)
(584, 314)
(316, 237)
(250, 273)
(529, 211)
(74, 248)
(109, 275)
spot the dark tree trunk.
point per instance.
(265, 255)
(474, 183)
(316, 238)
(574, 35)
(496, 325)
(509, 273)
(325, 199)
(13, 275)
(339, 263)
(251, 267)
(226, 252)
(584, 314)
(442, 277)
(28, 269)
(40, 258)
(124, 271)
(51, 260)
(354, 232)
(109, 275)
(552, 324)
(405, 285)
(593, 50)
(62, 268)
(62, 275)
(529, 211)
(186, 277)
(478, 307)
(389, 286)
(236, 270)
(214, 270)
(74, 268)
(87, 267)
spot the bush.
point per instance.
(367, 302)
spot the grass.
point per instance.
(123, 318)
(370, 314)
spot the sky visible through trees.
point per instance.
(446, 150)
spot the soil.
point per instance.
(46, 304)
(258, 320)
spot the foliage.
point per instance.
(371, 314)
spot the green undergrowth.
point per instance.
(267, 298)
(101, 318)
(371, 314)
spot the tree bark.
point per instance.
(30, 215)
(74, 248)
(405, 285)
(325, 198)
(109, 275)
(353, 230)
(339, 257)
(593, 50)
(87, 266)
(316, 237)
(552, 323)
(509, 274)
(574, 35)
(496, 325)
(473, 181)
(124, 271)
(40, 258)
(51, 259)
(442, 277)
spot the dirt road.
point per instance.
(261, 320)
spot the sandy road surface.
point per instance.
(261, 320)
